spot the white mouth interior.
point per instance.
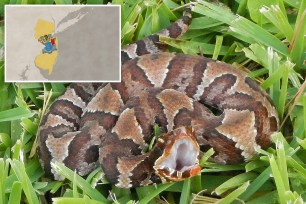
(183, 156)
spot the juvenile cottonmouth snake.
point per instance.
(111, 123)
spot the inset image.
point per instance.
(74, 43)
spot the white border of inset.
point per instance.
(62, 5)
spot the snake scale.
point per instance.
(197, 102)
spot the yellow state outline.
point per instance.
(45, 61)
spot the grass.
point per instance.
(267, 40)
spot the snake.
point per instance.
(197, 103)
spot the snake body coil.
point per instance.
(111, 123)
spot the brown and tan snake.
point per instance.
(197, 102)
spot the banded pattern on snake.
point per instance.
(197, 102)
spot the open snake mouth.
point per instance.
(180, 157)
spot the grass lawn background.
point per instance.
(266, 38)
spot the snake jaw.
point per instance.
(179, 159)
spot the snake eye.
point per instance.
(180, 157)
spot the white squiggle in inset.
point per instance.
(71, 18)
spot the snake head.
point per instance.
(179, 159)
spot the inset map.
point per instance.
(75, 43)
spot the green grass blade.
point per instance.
(29, 126)
(15, 196)
(284, 88)
(5, 140)
(3, 177)
(154, 193)
(58, 87)
(267, 198)
(204, 23)
(185, 196)
(256, 184)
(218, 46)
(93, 1)
(126, 30)
(64, 200)
(1, 32)
(279, 20)
(297, 167)
(294, 3)
(255, 164)
(206, 156)
(74, 186)
(241, 26)
(221, 168)
(196, 184)
(278, 180)
(304, 112)
(245, 27)
(214, 12)
(79, 181)
(33, 171)
(235, 182)
(255, 6)
(63, 1)
(282, 164)
(155, 25)
(257, 53)
(275, 74)
(26, 184)
(234, 195)
(298, 44)
(242, 7)
(33, 96)
(15, 113)
(5, 100)
(17, 150)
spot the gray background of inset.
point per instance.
(89, 49)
